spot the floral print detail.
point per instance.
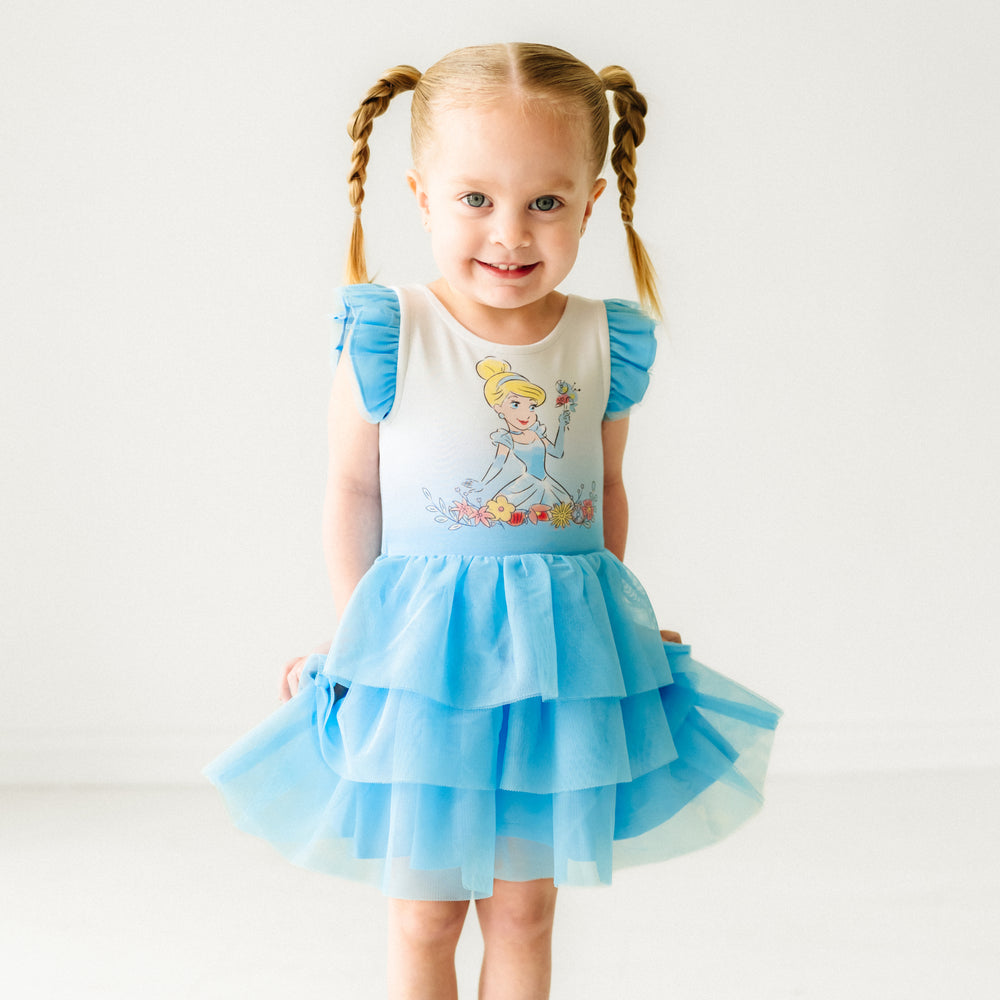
(483, 516)
(562, 514)
(539, 512)
(461, 512)
(462, 509)
(500, 512)
(567, 396)
(500, 508)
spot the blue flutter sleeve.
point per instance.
(633, 347)
(366, 319)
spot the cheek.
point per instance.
(573, 234)
(451, 239)
(566, 240)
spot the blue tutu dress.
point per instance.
(497, 701)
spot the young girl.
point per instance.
(498, 714)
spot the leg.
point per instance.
(517, 934)
(423, 936)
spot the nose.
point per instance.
(510, 230)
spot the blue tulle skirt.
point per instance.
(483, 717)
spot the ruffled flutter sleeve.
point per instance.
(366, 321)
(633, 347)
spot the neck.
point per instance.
(519, 326)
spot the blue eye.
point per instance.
(546, 203)
(514, 404)
(475, 200)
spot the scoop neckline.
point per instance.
(439, 307)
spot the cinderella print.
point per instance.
(518, 469)
(517, 488)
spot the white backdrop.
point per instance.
(814, 478)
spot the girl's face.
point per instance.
(518, 411)
(506, 192)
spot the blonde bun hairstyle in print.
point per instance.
(500, 381)
(538, 74)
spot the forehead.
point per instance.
(512, 139)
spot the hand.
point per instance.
(667, 636)
(291, 672)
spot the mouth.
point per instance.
(508, 271)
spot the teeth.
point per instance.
(507, 267)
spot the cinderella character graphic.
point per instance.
(518, 468)
(517, 489)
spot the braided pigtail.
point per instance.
(629, 131)
(376, 102)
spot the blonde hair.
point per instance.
(538, 73)
(500, 381)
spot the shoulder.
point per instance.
(502, 437)
(366, 323)
(368, 310)
(632, 342)
(626, 319)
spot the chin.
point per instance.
(510, 296)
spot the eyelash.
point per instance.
(547, 197)
(556, 203)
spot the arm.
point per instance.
(614, 434)
(499, 461)
(352, 509)
(555, 448)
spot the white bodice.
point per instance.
(457, 477)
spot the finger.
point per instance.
(295, 677)
(284, 691)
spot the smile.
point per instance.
(508, 270)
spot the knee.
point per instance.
(523, 916)
(428, 925)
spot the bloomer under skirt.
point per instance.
(486, 735)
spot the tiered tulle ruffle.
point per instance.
(505, 717)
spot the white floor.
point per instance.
(871, 886)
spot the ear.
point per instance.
(420, 193)
(595, 192)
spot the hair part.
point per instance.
(536, 73)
